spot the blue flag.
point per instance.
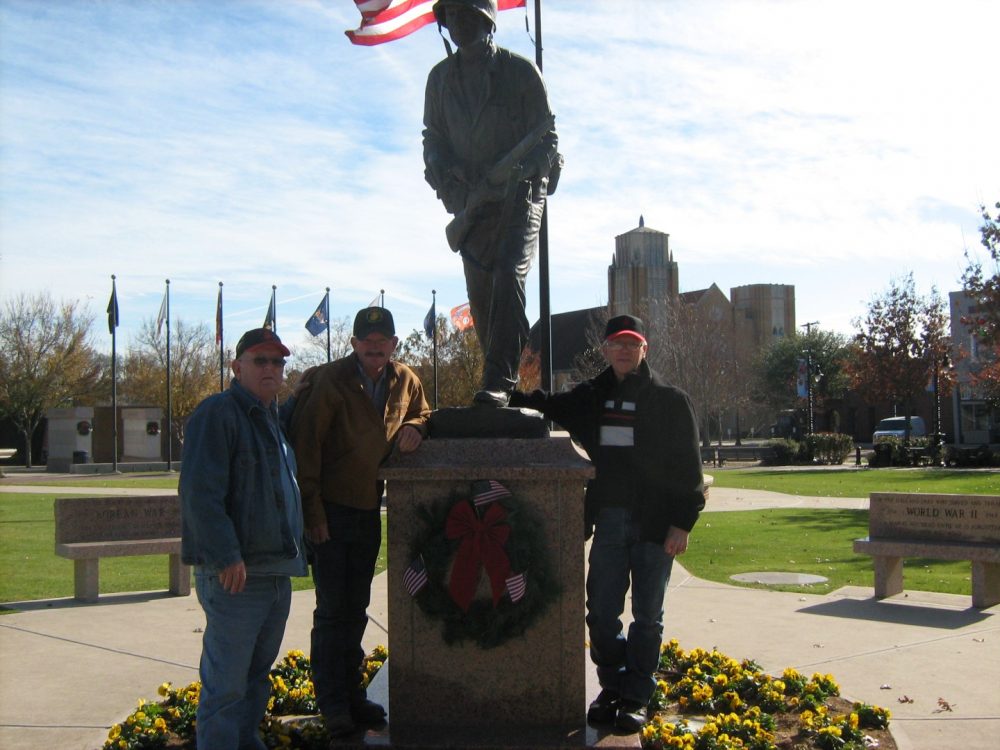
(319, 321)
(429, 320)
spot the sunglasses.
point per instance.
(261, 361)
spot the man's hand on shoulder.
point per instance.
(408, 438)
(234, 577)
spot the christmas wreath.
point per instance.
(466, 535)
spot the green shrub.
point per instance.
(785, 452)
(828, 447)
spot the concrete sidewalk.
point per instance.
(68, 670)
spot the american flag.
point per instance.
(387, 20)
(516, 585)
(415, 577)
(486, 491)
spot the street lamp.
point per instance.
(810, 403)
(939, 363)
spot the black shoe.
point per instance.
(604, 708)
(367, 712)
(631, 716)
(497, 399)
(339, 725)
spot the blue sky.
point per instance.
(832, 146)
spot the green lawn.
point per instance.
(858, 482)
(792, 540)
(31, 569)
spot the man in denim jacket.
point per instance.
(242, 530)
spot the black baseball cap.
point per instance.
(373, 320)
(259, 337)
(625, 325)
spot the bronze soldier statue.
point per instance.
(490, 152)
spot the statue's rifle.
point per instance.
(495, 185)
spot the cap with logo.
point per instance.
(258, 338)
(374, 320)
(625, 325)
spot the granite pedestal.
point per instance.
(530, 686)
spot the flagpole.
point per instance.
(170, 431)
(434, 328)
(326, 313)
(218, 339)
(544, 309)
(381, 293)
(274, 308)
(114, 375)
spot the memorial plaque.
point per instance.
(955, 518)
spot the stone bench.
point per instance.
(718, 455)
(6, 453)
(939, 527)
(89, 528)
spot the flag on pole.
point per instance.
(113, 309)
(486, 491)
(387, 20)
(378, 300)
(218, 317)
(461, 316)
(415, 576)
(162, 316)
(516, 586)
(802, 380)
(319, 321)
(269, 318)
(429, 320)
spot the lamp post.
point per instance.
(809, 375)
(939, 362)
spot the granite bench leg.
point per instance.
(180, 576)
(985, 584)
(888, 576)
(86, 579)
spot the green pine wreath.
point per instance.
(526, 548)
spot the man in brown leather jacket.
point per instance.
(480, 105)
(345, 424)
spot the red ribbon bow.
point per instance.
(482, 546)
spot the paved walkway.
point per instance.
(68, 670)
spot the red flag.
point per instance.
(387, 20)
(461, 316)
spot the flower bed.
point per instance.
(704, 700)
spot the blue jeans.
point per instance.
(343, 568)
(625, 665)
(242, 637)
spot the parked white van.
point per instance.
(896, 427)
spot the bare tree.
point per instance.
(46, 361)
(695, 348)
(194, 373)
(460, 362)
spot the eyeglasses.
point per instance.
(262, 361)
(631, 345)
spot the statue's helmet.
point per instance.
(486, 8)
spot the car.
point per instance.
(896, 427)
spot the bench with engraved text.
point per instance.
(89, 528)
(936, 527)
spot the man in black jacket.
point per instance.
(642, 436)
